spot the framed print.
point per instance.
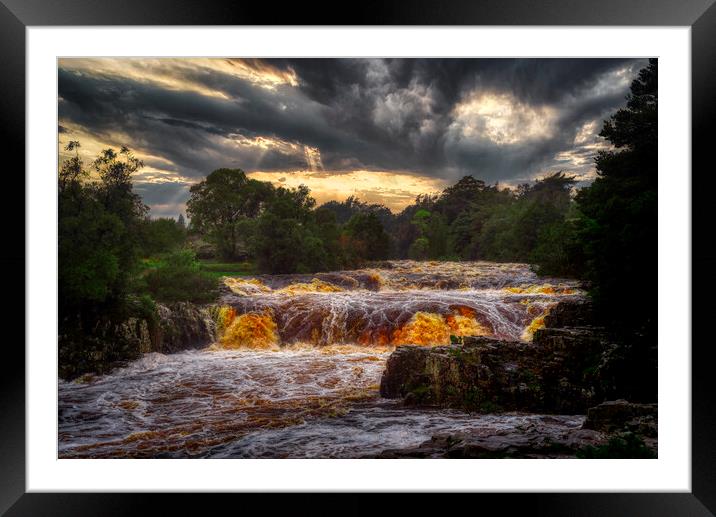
(437, 250)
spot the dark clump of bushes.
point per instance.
(179, 277)
(627, 445)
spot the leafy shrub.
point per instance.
(627, 445)
(180, 278)
(162, 235)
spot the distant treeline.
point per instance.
(281, 230)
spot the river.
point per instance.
(297, 369)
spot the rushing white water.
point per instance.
(406, 302)
(315, 392)
(191, 401)
(369, 429)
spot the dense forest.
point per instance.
(115, 261)
(235, 218)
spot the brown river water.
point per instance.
(296, 370)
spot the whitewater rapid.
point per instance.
(297, 369)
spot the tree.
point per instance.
(403, 231)
(329, 231)
(222, 202)
(98, 230)
(99, 218)
(512, 231)
(543, 207)
(465, 232)
(617, 230)
(162, 235)
(619, 225)
(554, 190)
(366, 237)
(179, 278)
(421, 220)
(431, 242)
(72, 170)
(285, 238)
(344, 210)
(456, 198)
(558, 251)
(419, 249)
(116, 193)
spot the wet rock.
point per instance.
(183, 326)
(484, 374)
(623, 416)
(135, 331)
(559, 372)
(542, 439)
(570, 313)
(339, 279)
(101, 347)
(110, 344)
(367, 280)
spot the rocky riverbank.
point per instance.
(613, 429)
(561, 371)
(545, 436)
(566, 370)
(168, 329)
(183, 326)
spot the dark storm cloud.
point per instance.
(501, 119)
(355, 89)
(179, 124)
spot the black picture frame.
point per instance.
(700, 15)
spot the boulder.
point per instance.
(561, 371)
(173, 328)
(135, 331)
(570, 313)
(102, 347)
(546, 437)
(183, 326)
(623, 416)
(484, 374)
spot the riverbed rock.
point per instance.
(482, 375)
(559, 372)
(183, 326)
(98, 350)
(135, 331)
(623, 416)
(571, 313)
(549, 437)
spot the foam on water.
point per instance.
(187, 402)
(378, 318)
(403, 302)
(298, 364)
(368, 429)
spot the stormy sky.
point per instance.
(384, 130)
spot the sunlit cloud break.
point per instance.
(393, 189)
(384, 130)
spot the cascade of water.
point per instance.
(299, 356)
(404, 302)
